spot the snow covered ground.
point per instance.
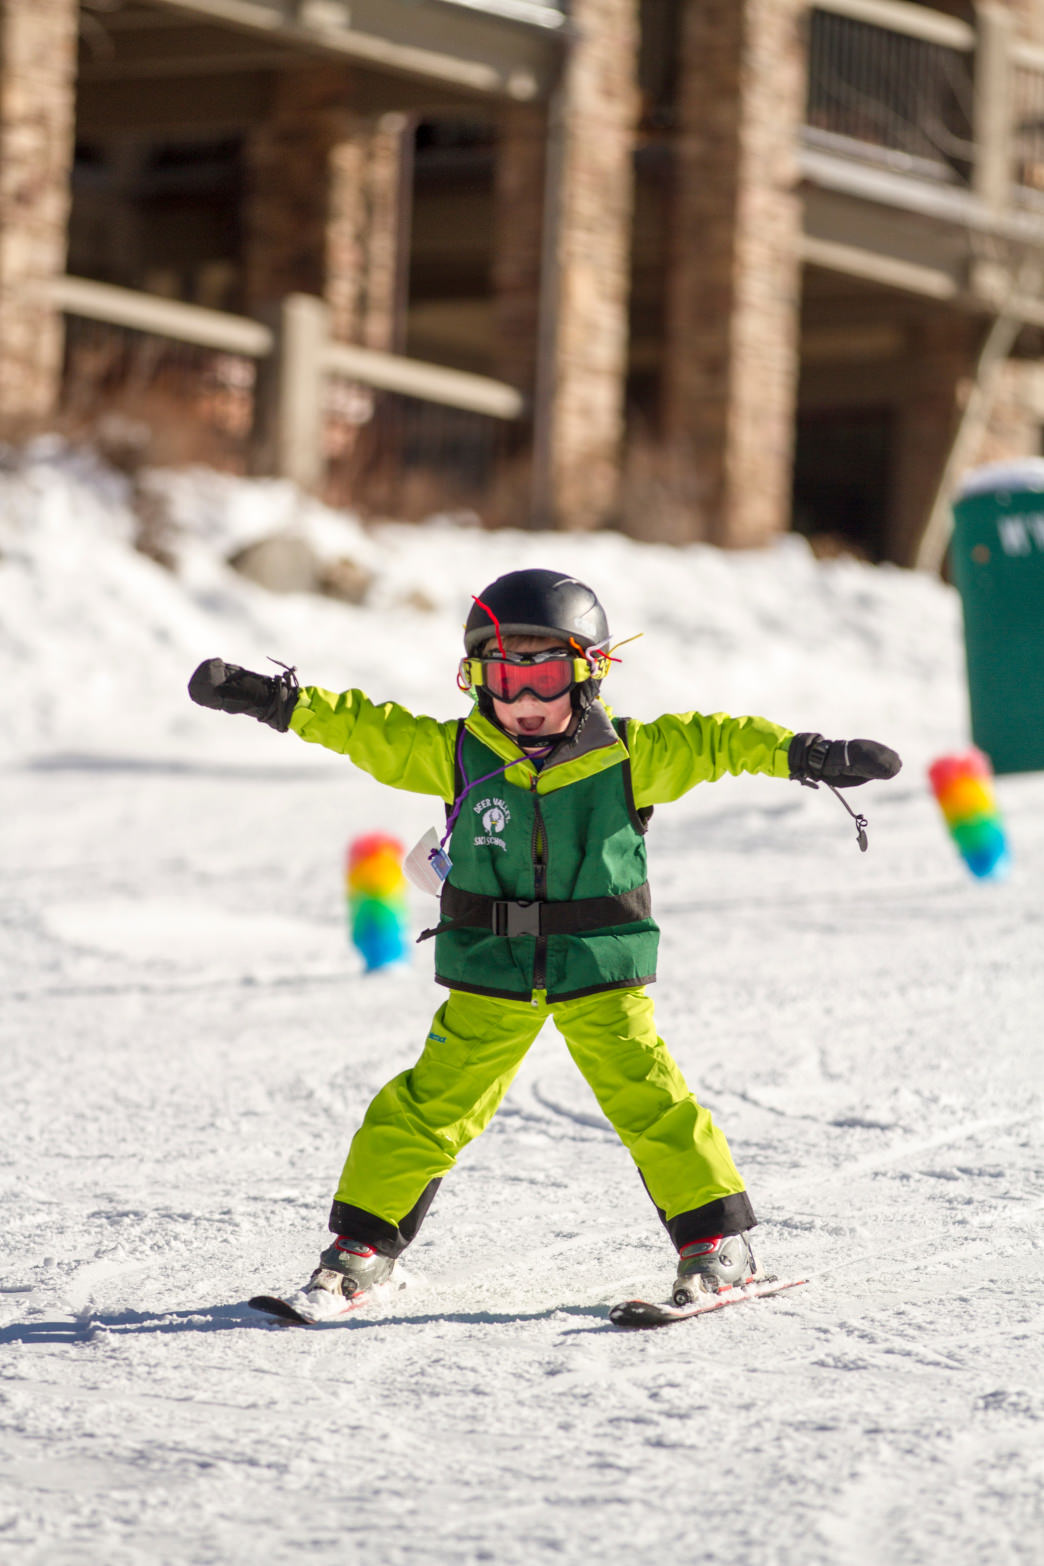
(188, 1042)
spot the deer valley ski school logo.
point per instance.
(494, 815)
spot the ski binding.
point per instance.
(644, 1313)
(311, 1307)
(299, 1310)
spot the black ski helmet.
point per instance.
(536, 603)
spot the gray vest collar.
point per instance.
(595, 732)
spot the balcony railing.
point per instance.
(891, 95)
(921, 93)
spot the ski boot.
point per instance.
(349, 1267)
(724, 1261)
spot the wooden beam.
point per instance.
(993, 168)
(913, 21)
(305, 324)
(928, 282)
(952, 207)
(431, 382)
(138, 312)
(418, 38)
(887, 271)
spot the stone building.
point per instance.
(754, 264)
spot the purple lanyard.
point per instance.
(466, 790)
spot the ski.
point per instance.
(297, 1311)
(644, 1313)
(310, 1308)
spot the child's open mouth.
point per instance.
(531, 725)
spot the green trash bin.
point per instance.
(997, 563)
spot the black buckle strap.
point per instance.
(518, 918)
(507, 917)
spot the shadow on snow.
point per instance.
(240, 1317)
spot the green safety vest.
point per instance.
(548, 890)
(553, 859)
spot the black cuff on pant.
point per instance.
(387, 1239)
(728, 1215)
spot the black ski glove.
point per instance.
(840, 763)
(228, 688)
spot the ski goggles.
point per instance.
(545, 675)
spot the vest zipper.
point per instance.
(539, 856)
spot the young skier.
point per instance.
(545, 912)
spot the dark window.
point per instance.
(842, 463)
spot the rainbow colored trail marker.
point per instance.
(963, 785)
(376, 890)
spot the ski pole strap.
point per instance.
(507, 917)
(861, 823)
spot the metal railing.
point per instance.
(373, 430)
(922, 93)
(894, 84)
(399, 456)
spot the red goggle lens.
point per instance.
(545, 681)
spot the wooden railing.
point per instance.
(287, 399)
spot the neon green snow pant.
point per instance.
(420, 1121)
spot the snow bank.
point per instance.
(99, 640)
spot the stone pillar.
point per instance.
(519, 181)
(518, 219)
(285, 207)
(37, 115)
(367, 236)
(579, 412)
(733, 284)
(323, 209)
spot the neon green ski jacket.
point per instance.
(668, 756)
(594, 853)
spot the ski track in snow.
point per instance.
(188, 1043)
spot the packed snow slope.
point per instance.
(188, 1042)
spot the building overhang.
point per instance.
(924, 238)
(509, 49)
